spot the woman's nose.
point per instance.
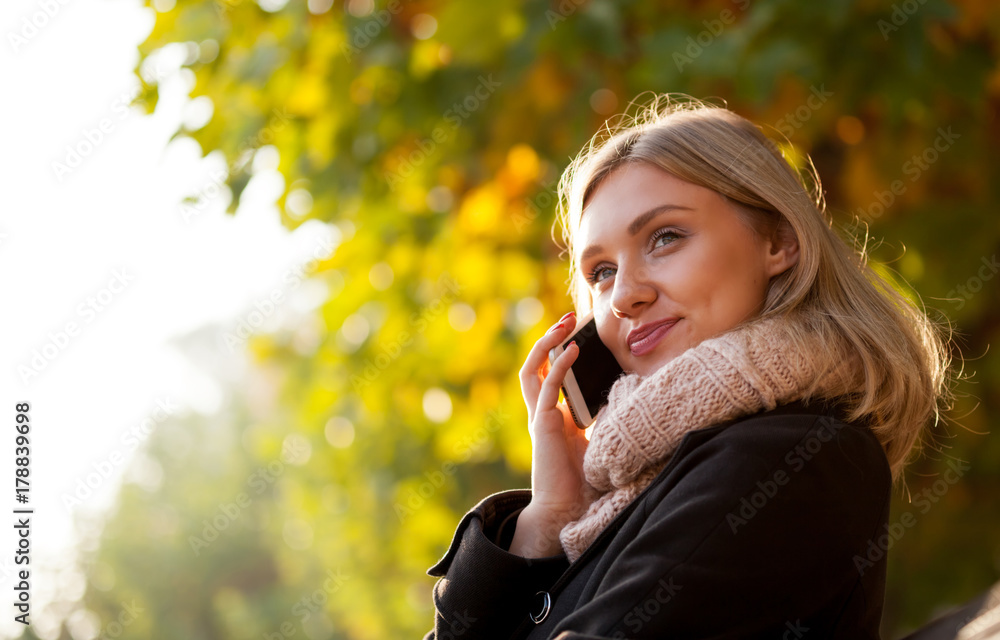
(632, 288)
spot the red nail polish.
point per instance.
(571, 313)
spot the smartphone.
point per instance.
(591, 376)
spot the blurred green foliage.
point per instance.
(431, 135)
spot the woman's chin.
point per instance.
(656, 360)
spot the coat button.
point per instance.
(545, 603)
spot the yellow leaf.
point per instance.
(309, 95)
(481, 209)
(425, 57)
(319, 137)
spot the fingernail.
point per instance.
(554, 328)
(572, 342)
(571, 313)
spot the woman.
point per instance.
(738, 480)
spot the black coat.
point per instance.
(770, 526)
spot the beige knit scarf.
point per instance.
(752, 368)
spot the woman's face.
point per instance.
(671, 253)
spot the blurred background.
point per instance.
(306, 245)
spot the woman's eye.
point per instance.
(665, 233)
(592, 276)
(671, 236)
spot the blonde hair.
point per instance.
(831, 291)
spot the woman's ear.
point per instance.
(783, 249)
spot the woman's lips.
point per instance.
(649, 343)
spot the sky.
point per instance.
(102, 270)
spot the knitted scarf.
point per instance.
(752, 368)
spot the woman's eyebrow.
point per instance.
(636, 225)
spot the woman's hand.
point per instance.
(557, 448)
